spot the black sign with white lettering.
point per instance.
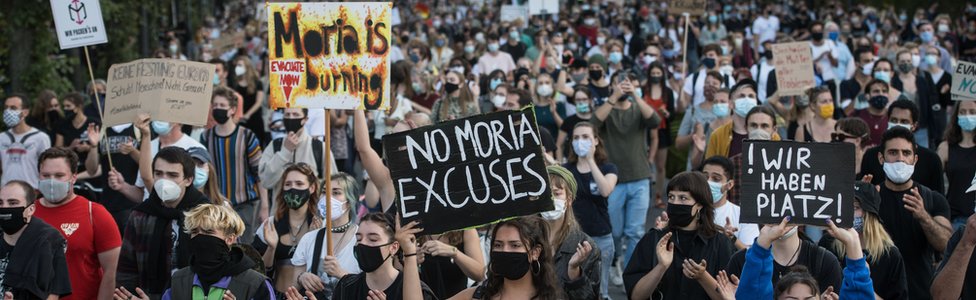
(811, 182)
(474, 171)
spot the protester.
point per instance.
(247, 82)
(956, 153)
(168, 135)
(72, 132)
(45, 113)
(928, 171)
(761, 122)
(549, 114)
(577, 262)
(205, 176)
(818, 128)
(693, 92)
(92, 239)
(727, 139)
(917, 86)
(584, 112)
(33, 267)
(296, 147)
(705, 117)
(21, 144)
(718, 170)
(379, 174)
(120, 140)
(958, 265)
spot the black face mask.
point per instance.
(451, 87)
(816, 36)
(53, 115)
(210, 254)
(12, 219)
(768, 54)
(567, 59)
(370, 258)
(220, 115)
(709, 62)
(878, 102)
(292, 125)
(295, 198)
(655, 79)
(680, 215)
(596, 74)
(70, 115)
(511, 265)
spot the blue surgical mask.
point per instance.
(200, 177)
(582, 147)
(883, 76)
(859, 224)
(744, 105)
(926, 36)
(833, 35)
(931, 59)
(582, 108)
(720, 110)
(495, 83)
(161, 128)
(216, 80)
(967, 122)
(713, 19)
(716, 189)
(616, 57)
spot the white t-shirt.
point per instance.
(184, 142)
(765, 28)
(826, 69)
(762, 79)
(747, 232)
(306, 246)
(696, 86)
(20, 159)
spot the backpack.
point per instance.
(22, 139)
(317, 150)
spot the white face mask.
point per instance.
(893, 125)
(240, 70)
(544, 90)
(789, 234)
(557, 212)
(338, 208)
(167, 190)
(498, 101)
(899, 172)
(916, 60)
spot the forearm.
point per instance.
(950, 280)
(646, 110)
(131, 192)
(145, 159)
(411, 278)
(647, 284)
(91, 161)
(602, 182)
(107, 287)
(936, 234)
(603, 111)
(708, 283)
(268, 257)
(683, 141)
(471, 268)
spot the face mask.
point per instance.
(167, 190)
(338, 207)
(12, 219)
(161, 128)
(893, 125)
(414, 58)
(899, 172)
(866, 69)
(557, 212)
(744, 105)
(916, 60)
(589, 22)
(68, 115)
(200, 177)
(725, 50)
(616, 57)
(240, 70)
(498, 101)
(649, 59)
(174, 48)
(669, 53)
(883, 76)
(680, 215)
(210, 254)
(655, 79)
(726, 69)
(713, 19)
(220, 115)
(859, 224)
(816, 36)
(582, 147)
(600, 40)
(370, 258)
(931, 60)
(967, 122)
(469, 49)
(905, 68)
(708, 62)
(573, 46)
(417, 88)
(54, 191)
(737, 42)
(596, 74)
(827, 111)
(943, 28)
(514, 35)
(878, 102)
(450, 88)
(582, 108)
(292, 125)
(511, 265)
(216, 80)
(833, 35)
(436, 24)
(493, 47)
(11, 117)
(926, 36)
(544, 90)
(720, 110)
(495, 83)
(480, 38)
(716, 189)
(789, 234)
(295, 198)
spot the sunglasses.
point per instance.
(840, 137)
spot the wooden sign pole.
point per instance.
(327, 191)
(101, 114)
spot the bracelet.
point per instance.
(409, 255)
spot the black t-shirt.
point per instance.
(589, 206)
(688, 244)
(960, 171)
(850, 89)
(445, 277)
(822, 264)
(968, 288)
(354, 286)
(928, 168)
(909, 237)
(113, 200)
(887, 270)
(5, 250)
(69, 134)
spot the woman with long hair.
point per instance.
(883, 258)
(448, 260)
(521, 263)
(296, 213)
(821, 125)
(549, 114)
(958, 153)
(205, 178)
(45, 114)
(456, 102)
(658, 95)
(577, 262)
(690, 238)
(73, 130)
(596, 178)
(248, 84)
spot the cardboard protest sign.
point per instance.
(78, 23)
(469, 172)
(227, 41)
(811, 182)
(542, 7)
(329, 55)
(168, 89)
(510, 13)
(964, 82)
(692, 7)
(794, 68)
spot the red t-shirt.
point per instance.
(78, 221)
(657, 104)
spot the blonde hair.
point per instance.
(877, 242)
(568, 223)
(213, 218)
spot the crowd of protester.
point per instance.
(643, 116)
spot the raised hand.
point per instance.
(665, 250)
(406, 235)
(270, 233)
(582, 252)
(94, 134)
(692, 270)
(727, 285)
(730, 230)
(914, 204)
(768, 234)
(661, 221)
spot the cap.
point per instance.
(598, 59)
(868, 196)
(748, 82)
(566, 175)
(200, 154)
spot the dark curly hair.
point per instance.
(534, 233)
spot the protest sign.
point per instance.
(964, 82)
(810, 182)
(510, 13)
(794, 68)
(474, 171)
(227, 41)
(396, 17)
(329, 55)
(542, 7)
(78, 23)
(692, 7)
(168, 89)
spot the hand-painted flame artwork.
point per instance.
(329, 55)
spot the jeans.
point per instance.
(605, 243)
(249, 214)
(922, 137)
(628, 212)
(959, 222)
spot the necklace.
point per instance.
(294, 238)
(790, 262)
(342, 229)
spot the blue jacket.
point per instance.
(757, 277)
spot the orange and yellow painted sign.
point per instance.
(329, 55)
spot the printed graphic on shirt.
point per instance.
(69, 228)
(114, 143)
(15, 152)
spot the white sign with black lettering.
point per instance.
(78, 23)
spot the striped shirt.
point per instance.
(236, 158)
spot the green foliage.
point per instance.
(29, 34)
